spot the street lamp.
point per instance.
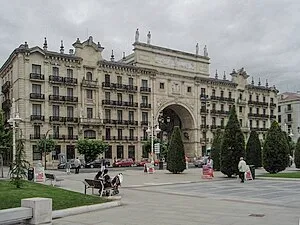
(151, 131)
(14, 120)
(45, 146)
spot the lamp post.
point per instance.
(45, 146)
(14, 120)
(151, 131)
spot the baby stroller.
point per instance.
(112, 187)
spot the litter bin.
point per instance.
(252, 169)
(161, 165)
(30, 173)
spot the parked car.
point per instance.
(142, 162)
(123, 162)
(63, 165)
(97, 163)
(199, 162)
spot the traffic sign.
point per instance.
(157, 148)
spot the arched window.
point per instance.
(90, 134)
(89, 76)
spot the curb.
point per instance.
(84, 209)
(277, 178)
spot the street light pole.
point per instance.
(151, 130)
(45, 147)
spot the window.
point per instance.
(107, 134)
(250, 123)
(229, 94)
(120, 115)
(119, 80)
(89, 94)
(250, 97)
(55, 90)
(145, 116)
(213, 92)
(131, 116)
(70, 92)
(250, 110)
(272, 112)
(36, 153)
(36, 69)
(119, 96)
(55, 131)
(289, 117)
(120, 134)
(107, 114)
(240, 109)
(202, 91)
(107, 78)
(222, 122)
(189, 89)
(279, 119)
(264, 99)
(203, 120)
(241, 96)
(257, 123)
(279, 108)
(144, 83)
(89, 76)
(264, 111)
(161, 85)
(36, 109)
(55, 71)
(257, 110)
(222, 107)
(36, 131)
(120, 151)
(70, 133)
(130, 99)
(272, 100)
(145, 99)
(107, 96)
(264, 124)
(213, 106)
(241, 122)
(91, 134)
(130, 81)
(108, 152)
(70, 111)
(36, 88)
(229, 107)
(69, 73)
(55, 110)
(214, 121)
(131, 134)
(222, 94)
(289, 107)
(89, 113)
(257, 98)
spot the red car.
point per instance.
(143, 162)
(123, 162)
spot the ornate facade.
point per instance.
(81, 95)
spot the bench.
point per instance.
(95, 184)
(53, 178)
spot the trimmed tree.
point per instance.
(175, 154)
(91, 148)
(233, 145)
(297, 154)
(276, 150)
(216, 149)
(45, 146)
(253, 150)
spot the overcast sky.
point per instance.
(259, 35)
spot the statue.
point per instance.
(148, 38)
(197, 49)
(205, 51)
(137, 35)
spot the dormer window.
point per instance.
(89, 76)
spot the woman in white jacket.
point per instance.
(242, 169)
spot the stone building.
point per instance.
(289, 114)
(81, 95)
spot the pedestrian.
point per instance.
(242, 169)
(103, 162)
(210, 165)
(77, 164)
(68, 167)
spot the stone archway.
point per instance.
(171, 115)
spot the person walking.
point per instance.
(68, 167)
(77, 164)
(210, 165)
(103, 166)
(242, 169)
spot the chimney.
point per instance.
(71, 51)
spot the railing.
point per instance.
(258, 115)
(57, 119)
(37, 117)
(144, 123)
(59, 98)
(272, 105)
(72, 119)
(250, 102)
(90, 121)
(145, 89)
(272, 117)
(120, 138)
(70, 81)
(37, 96)
(56, 79)
(204, 111)
(89, 83)
(204, 126)
(145, 105)
(36, 76)
(36, 136)
(119, 103)
(5, 86)
(71, 99)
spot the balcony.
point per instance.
(36, 136)
(72, 120)
(70, 81)
(5, 87)
(132, 122)
(203, 126)
(203, 97)
(57, 119)
(213, 111)
(145, 89)
(222, 112)
(71, 137)
(250, 102)
(212, 127)
(272, 116)
(230, 99)
(241, 101)
(36, 77)
(57, 136)
(37, 96)
(71, 99)
(6, 104)
(131, 88)
(37, 118)
(90, 121)
(108, 85)
(89, 83)
(56, 79)
(272, 105)
(288, 110)
(58, 98)
(204, 111)
(144, 123)
(145, 105)
(119, 103)
(258, 115)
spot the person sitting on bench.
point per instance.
(107, 180)
(98, 175)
